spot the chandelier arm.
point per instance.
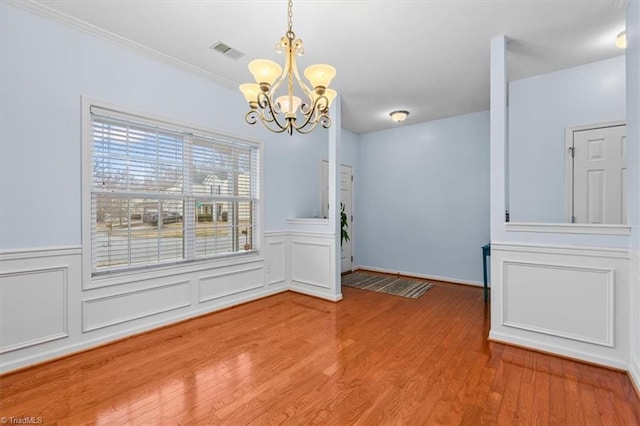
(301, 82)
(274, 87)
(252, 118)
(323, 120)
(264, 102)
(315, 108)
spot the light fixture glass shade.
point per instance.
(399, 115)
(621, 40)
(320, 75)
(250, 91)
(283, 101)
(265, 71)
(331, 95)
(324, 105)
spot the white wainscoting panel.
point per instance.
(313, 268)
(33, 307)
(634, 362)
(310, 262)
(275, 258)
(568, 300)
(118, 308)
(47, 312)
(227, 282)
(564, 301)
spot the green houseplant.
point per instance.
(344, 225)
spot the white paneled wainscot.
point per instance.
(572, 301)
(46, 311)
(312, 268)
(304, 261)
(634, 362)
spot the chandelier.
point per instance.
(283, 111)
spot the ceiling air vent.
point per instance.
(227, 50)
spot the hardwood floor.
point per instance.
(370, 359)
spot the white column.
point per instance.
(498, 128)
(334, 193)
(633, 170)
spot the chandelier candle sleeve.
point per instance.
(280, 99)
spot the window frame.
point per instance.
(150, 271)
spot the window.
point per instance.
(163, 194)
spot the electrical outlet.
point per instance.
(268, 267)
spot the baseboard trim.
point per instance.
(634, 376)
(316, 294)
(560, 352)
(416, 275)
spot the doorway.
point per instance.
(597, 174)
(346, 199)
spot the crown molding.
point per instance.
(621, 4)
(78, 24)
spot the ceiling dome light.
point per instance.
(621, 40)
(399, 115)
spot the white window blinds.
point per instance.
(165, 194)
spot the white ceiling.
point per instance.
(429, 57)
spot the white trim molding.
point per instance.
(613, 253)
(415, 275)
(568, 300)
(307, 221)
(275, 260)
(551, 269)
(634, 374)
(568, 228)
(111, 307)
(28, 296)
(36, 253)
(554, 349)
(41, 9)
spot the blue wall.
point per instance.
(540, 108)
(46, 69)
(423, 198)
(420, 192)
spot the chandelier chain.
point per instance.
(291, 16)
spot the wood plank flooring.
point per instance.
(370, 359)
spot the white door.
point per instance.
(346, 191)
(599, 175)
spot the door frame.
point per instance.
(351, 231)
(568, 144)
